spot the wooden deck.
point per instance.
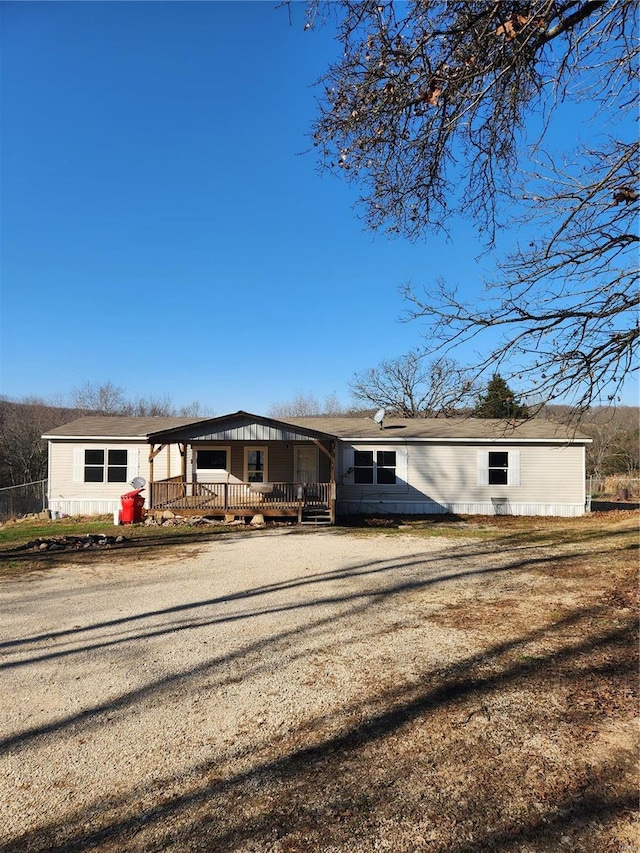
(241, 499)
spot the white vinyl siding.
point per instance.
(454, 477)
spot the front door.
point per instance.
(305, 463)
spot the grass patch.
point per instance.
(616, 531)
(15, 534)
(515, 531)
(139, 541)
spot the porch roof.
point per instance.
(240, 426)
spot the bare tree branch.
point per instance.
(412, 387)
(427, 112)
(566, 304)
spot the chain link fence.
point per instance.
(16, 501)
(615, 486)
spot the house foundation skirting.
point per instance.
(496, 506)
(84, 506)
(79, 506)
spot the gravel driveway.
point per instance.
(141, 696)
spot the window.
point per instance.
(386, 468)
(255, 464)
(112, 463)
(211, 459)
(374, 467)
(498, 469)
(363, 466)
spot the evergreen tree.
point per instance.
(499, 401)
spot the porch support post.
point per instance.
(152, 455)
(182, 447)
(331, 453)
(332, 496)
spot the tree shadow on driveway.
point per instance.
(450, 757)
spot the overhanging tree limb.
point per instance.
(427, 111)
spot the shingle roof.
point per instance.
(117, 427)
(353, 428)
(439, 428)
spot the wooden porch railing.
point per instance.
(175, 494)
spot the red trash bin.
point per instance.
(131, 511)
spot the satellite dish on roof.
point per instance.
(138, 482)
(379, 416)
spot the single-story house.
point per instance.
(317, 468)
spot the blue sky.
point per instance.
(164, 224)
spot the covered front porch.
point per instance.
(305, 501)
(243, 465)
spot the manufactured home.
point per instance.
(319, 468)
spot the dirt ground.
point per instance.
(439, 687)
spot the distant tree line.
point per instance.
(23, 453)
(110, 399)
(409, 387)
(404, 387)
(615, 437)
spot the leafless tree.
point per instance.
(102, 399)
(614, 447)
(430, 111)
(412, 387)
(23, 453)
(154, 407)
(110, 399)
(194, 409)
(565, 304)
(305, 404)
(614, 433)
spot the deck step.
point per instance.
(316, 516)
